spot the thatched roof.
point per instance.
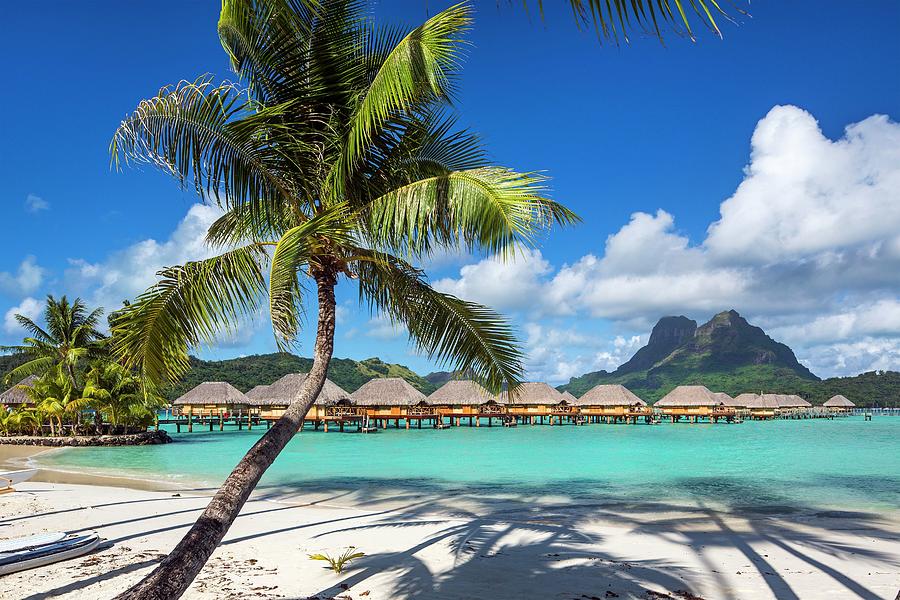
(532, 392)
(689, 395)
(792, 401)
(745, 401)
(17, 393)
(460, 392)
(838, 401)
(610, 395)
(213, 392)
(283, 392)
(388, 391)
(257, 392)
(764, 401)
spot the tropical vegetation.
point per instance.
(70, 383)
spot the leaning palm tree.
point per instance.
(339, 160)
(69, 336)
(56, 398)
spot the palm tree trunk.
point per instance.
(176, 572)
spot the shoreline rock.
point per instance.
(145, 438)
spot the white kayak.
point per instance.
(72, 546)
(11, 478)
(31, 541)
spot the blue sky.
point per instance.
(646, 142)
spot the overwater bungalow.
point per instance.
(272, 400)
(838, 404)
(17, 395)
(534, 400)
(211, 399)
(694, 402)
(612, 403)
(393, 398)
(462, 398)
(759, 407)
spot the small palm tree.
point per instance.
(70, 335)
(56, 398)
(339, 160)
(120, 395)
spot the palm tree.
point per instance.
(339, 160)
(71, 336)
(56, 397)
(120, 395)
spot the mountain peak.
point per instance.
(668, 334)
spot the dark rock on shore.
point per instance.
(145, 438)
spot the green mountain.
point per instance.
(730, 355)
(249, 371)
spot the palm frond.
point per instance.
(490, 208)
(615, 19)
(190, 305)
(421, 65)
(194, 131)
(37, 366)
(467, 336)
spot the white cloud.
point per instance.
(26, 280)
(29, 307)
(504, 285)
(126, 273)
(804, 194)
(36, 204)
(809, 245)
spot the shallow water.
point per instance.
(778, 466)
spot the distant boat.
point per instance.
(10, 478)
(31, 556)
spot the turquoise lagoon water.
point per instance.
(847, 464)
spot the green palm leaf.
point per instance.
(472, 338)
(190, 305)
(491, 208)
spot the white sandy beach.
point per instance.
(455, 549)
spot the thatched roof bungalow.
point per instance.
(568, 398)
(463, 397)
(273, 399)
(211, 397)
(389, 397)
(692, 401)
(759, 406)
(17, 395)
(611, 402)
(532, 394)
(838, 403)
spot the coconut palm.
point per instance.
(120, 395)
(338, 161)
(56, 398)
(70, 335)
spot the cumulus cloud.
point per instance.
(555, 354)
(36, 204)
(505, 285)
(126, 273)
(808, 245)
(29, 307)
(25, 280)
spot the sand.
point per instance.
(454, 547)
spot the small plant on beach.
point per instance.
(337, 563)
